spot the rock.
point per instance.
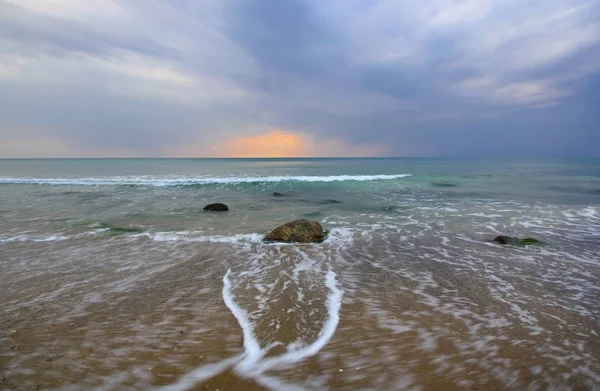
(312, 214)
(506, 240)
(217, 207)
(330, 201)
(301, 231)
(276, 194)
(516, 241)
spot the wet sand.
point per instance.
(89, 314)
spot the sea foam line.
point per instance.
(188, 237)
(252, 349)
(336, 235)
(334, 304)
(179, 236)
(204, 372)
(187, 181)
(34, 238)
(251, 364)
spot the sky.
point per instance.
(282, 78)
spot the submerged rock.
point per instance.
(516, 241)
(300, 231)
(115, 230)
(330, 201)
(529, 242)
(506, 240)
(217, 207)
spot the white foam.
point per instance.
(334, 303)
(589, 212)
(34, 238)
(188, 237)
(189, 380)
(184, 236)
(252, 349)
(163, 181)
(304, 266)
(340, 236)
(491, 216)
(252, 363)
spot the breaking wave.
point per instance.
(177, 181)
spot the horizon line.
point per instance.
(300, 157)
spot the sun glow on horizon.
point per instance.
(286, 144)
(273, 144)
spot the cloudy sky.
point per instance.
(188, 78)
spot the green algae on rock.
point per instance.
(115, 230)
(530, 242)
(517, 241)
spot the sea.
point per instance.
(113, 277)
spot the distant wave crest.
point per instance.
(191, 181)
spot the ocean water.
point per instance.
(112, 277)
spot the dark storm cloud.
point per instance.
(286, 37)
(473, 77)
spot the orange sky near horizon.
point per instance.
(276, 143)
(282, 144)
(270, 144)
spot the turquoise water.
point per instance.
(120, 253)
(168, 194)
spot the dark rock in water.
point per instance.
(443, 184)
(276, 194)
(300, 231)
(516, 241)
(507, 240)
(217, 207)
(330, 201)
